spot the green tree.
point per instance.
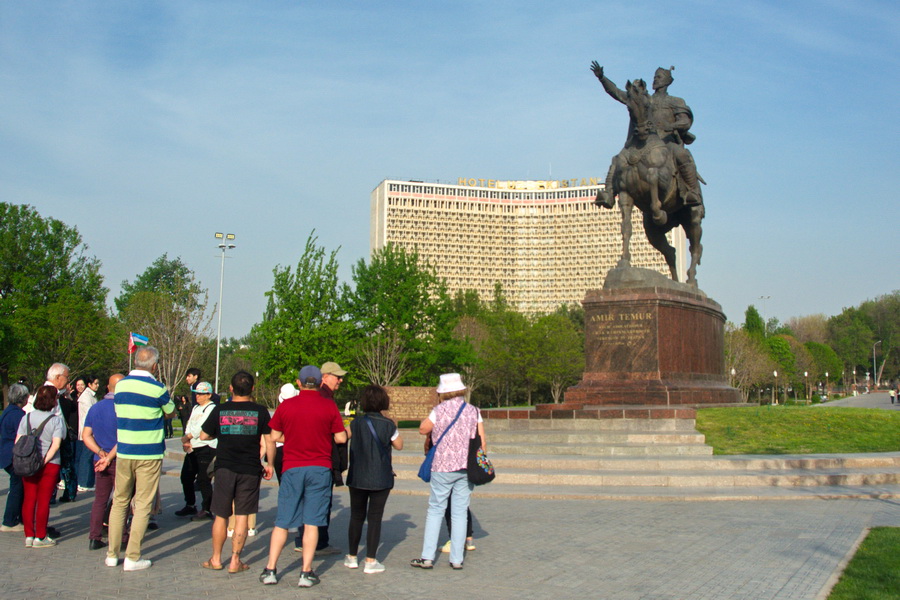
(167, 305)
(306, 317)
(747, 357)
(560, 357)
(826, 360)
(753, 322)
(851, 337)
(398, 298)
(48, 281)
(171, 277)
(883, 315)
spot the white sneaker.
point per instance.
(29, 542)
(373, 567)
(230, 533)
(252, 532)
(446, 548)
(43, 542)
(137, 565)
(81, 488)
(12, 528)
(350, 562)
(112, 562)
(61, 485)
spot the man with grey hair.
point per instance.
(9, 426)
(58, 377)
(141, 404)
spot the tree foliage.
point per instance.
(167, 305)
(398, 297)
(306, 318)
(746, 356)
(49, 285)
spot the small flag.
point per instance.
(135, 340)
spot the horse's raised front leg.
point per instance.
(625, 206)
(659, 215)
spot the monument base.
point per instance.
(652, 345)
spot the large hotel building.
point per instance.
(545, 242)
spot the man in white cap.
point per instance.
(198, 454)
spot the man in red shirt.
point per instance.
(307, 424)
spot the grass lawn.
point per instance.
(799, 430)
(874, 571)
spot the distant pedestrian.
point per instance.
(893, 394)
(84, 464)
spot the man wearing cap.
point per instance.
(332, 376)
(197, 456)
(308, 424)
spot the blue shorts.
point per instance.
(303, 497)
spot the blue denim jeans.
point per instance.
(444, 486)
(13, 514)
(84, 465)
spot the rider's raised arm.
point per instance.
(608, 85)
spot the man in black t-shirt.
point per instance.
(242, 428)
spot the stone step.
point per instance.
(667, 465)
(593, 412)
(663, 494)
(608, 449)
(597, 438)
(540, 425)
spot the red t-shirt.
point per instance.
(309, 422)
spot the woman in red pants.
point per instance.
(39, 487)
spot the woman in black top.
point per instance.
(370, 477)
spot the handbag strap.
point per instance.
(451, 424)
(375, 435)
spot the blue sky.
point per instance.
(151, 125)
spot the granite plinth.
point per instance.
(660, 346)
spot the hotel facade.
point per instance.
(545, 242)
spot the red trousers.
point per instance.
(36, 505)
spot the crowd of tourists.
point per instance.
(114, 446)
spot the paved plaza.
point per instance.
(526, 548)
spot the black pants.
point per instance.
(469, 530)
(366, 506)
(194, 469)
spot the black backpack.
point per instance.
(28, 457)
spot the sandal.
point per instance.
(209, 565)
(241, 568)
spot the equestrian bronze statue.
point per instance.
(654, 171)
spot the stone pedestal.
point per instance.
(652, 346)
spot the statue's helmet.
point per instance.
(662, 77)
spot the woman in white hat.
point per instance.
(451, 424)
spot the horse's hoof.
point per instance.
(660, 219)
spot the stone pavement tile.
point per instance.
(526, 549)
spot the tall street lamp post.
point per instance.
(225, 243)
(875, 365)
(775, 388)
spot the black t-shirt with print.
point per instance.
(238, 426)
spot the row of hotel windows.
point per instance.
(586, 203)
(462, 192)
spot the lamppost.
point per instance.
(765, 325)
(874, 364)
(826, 384)
(225, 243)
(806, 375)
(774, 388)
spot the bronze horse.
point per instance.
(646, 177)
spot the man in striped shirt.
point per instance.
(142, 403)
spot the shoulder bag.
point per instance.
(425, 469)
